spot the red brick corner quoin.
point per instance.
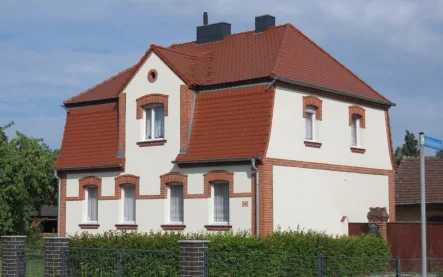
(154, 98)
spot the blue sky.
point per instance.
(51, 50)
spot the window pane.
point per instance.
(221, 203)
(148, 123)
(176, 203)
(92, 203)
(354, 130)
(159, 122)
(309, 126)
(129, 204)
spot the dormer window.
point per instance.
(155, 122)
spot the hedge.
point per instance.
(283, 253)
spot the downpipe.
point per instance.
(257, 197)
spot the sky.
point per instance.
(51, 50)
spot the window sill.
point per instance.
(148, 143)
(173, 227)
(313, 144)
(128, 226)
(220, 227)
(89, 226)
(358, 150)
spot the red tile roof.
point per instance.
(407, 181)
(108, 89)
(281, 51)
(230, 123)
(90, 137)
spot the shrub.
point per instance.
(283, 253)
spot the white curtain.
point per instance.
(354, 130)
(129, 204)
(159, 122)
(176, 208)
(92, 203)
(148, 123)
(309, 126)
(221, 202)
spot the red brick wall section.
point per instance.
(185, 114)
(62, 230)
(391, 149)
(154, 98)
(359, 111)
(313, 101)
(266, 185)
(253, 207)
(121, 123)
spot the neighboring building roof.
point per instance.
(90, 137)
(282, 51)
(230, 123)
(407, 181)
(46, 211)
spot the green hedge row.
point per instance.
(284, 253)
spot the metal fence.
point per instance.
(287, 265)
(88, 262)
(31, 261)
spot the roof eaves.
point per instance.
(347, 94)
(237, 159)
(106, 166)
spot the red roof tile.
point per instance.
(281, 51)
(407, 181)
(230, 123)
(106, 90)
(90, 137)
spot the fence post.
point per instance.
(192, 257)
(53, 259)
(397, 267)
(120, 258)
(12, 248)
(321, 266)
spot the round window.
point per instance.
(152, 75)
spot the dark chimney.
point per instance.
(205, 18)
(212, 32)
(264, 22)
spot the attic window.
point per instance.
(152, 75)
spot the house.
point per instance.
(407, 189)
(250, 131)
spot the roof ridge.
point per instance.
(339, 63)
(280, 49)
(177, 52)
(102, 83)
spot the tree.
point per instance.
(408, 149)
(26, 179)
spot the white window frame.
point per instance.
(170, 202)
(87, 188)
(312, 111)
(123, 193)
(356, 124)
(213, 185)
(151, 109)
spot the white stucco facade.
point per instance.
(149, 163)
(319, 199)
(333, 131)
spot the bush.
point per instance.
(284, 253)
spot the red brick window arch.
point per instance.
(152, 99)
(313, 102)
(126, 179)
(360, 112)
